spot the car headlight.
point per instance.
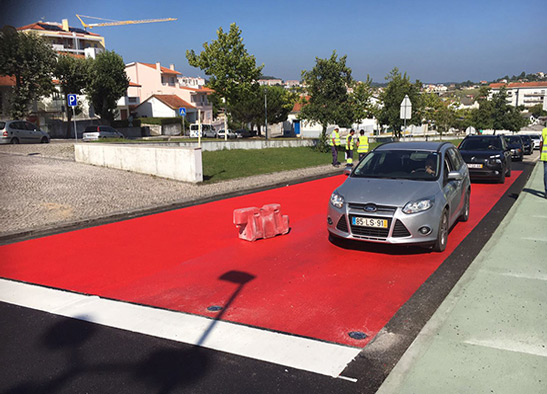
(418, 206)
(494, 159)
(337, 200)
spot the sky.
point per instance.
(432, 41)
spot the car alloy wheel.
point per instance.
(465, 213)
(442, 233)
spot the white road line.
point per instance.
(353, 380)
(291, 351)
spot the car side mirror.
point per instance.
(454, 176)
(347, 171)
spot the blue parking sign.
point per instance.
(72, 100)
(182, 111)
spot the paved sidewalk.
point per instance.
(490, 333)
(43, 190)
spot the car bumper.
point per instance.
(486, 173)
(402, 229)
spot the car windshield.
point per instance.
(513, 139)
(481, 144)
(399, 164)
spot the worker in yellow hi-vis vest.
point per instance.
(349, 148)
(334, 142)
(543, 156)
(362, 144)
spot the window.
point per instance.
(454, 158)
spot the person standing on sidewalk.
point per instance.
(334, 142)
(349, 148)
(362, 145)
(543, 156)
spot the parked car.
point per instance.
(514, 142)
(205, 128)
(210, 133)
(231, 134)
(21, 132)
(402, 193)
(487, 156)
(527, 143)
(536, 138)
(242, 133)
(94, 133)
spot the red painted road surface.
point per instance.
(303, 284)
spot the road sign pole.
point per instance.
(74, 119)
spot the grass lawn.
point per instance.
(230, 164)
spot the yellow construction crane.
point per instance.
(118, 23)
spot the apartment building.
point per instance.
(526, 94)
(67, 40)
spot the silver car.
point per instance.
(403, 193)
(21, 132)
(94, 133)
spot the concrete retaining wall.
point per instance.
(246, 144)
(179, 163)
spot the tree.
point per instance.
(496, 114)
(328, 100)
(30, 60)
(251, 109)
(438, 112)
(360, 100)
(392, 96)
(537, 110)
(107, 84)
(481, 116)
(232, 71)
(73, 75)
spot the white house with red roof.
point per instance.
(161, 82)
(527, 94)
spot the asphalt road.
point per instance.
(43, 352)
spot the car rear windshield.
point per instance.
(2, 125)
(91, 129)
(481, 144)
(513, 139)
(399, 164)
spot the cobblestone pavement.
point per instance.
(42, 187)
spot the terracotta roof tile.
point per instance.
(164, 70)
(56, 28)
(512, 85)
(171, 100)
(7, 80)
(200, 90)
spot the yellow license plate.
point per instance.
(367, 222)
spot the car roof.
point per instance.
(483, 136)
(426, 146)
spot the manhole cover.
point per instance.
(357, 335)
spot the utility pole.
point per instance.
(266, 111)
